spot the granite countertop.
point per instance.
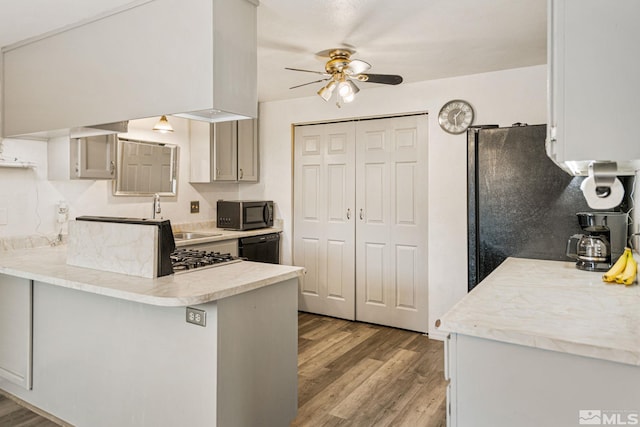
(553, 306)
(48, 264)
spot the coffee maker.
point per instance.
(602, 243)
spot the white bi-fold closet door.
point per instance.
(360, 219)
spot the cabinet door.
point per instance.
(593, 81)
(225, 151)
(248, 150)
(94, 157)
(200, 154)
(16, 330)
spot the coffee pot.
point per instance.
(603, 241)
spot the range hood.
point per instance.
(108, 69)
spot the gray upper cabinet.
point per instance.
(593, 83)
(248, 150)
(224, 151)
(110, 69)
(92, 157)
(224, 137)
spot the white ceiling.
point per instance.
(418, 39)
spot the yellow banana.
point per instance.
(629, 274)
(618, 267)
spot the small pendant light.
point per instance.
(163, 125)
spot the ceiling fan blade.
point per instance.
(385, 79)
(356, 67)
(306, 71)
(310, 83)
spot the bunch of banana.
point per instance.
(624, 270)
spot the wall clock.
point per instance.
(455, 116)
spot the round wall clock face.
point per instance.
(455, 116)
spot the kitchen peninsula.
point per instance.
(541, 343)
(111, 349)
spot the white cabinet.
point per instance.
(224, 151)
(92, 157)
(16, 330)
(593, 83)
(116, 67)
(360, 226)
(497, 384)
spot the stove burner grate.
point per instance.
(190, 259)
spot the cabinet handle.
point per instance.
(217, 172)
(348, 213)
(361, 214)
(112, 167)
(241, 173)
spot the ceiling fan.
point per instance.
(341, 71)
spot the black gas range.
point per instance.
(184, 259)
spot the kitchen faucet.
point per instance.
(156, 205)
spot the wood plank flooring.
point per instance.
(349, 374)
(14, 415)
(357, 374)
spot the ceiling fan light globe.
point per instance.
(344, 89)
(348, 98)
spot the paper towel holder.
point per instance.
(604, 176)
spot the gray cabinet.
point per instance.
(593, 83)
(92, 157)
(224, 151)
(16, 330)
(248, 150)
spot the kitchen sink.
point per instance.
(188, 235)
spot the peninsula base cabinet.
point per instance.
(494, 384)
(15, 330)
(101, 361)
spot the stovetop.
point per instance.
(184, 260)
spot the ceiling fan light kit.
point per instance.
(341, 70)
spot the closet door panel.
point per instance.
(324, 182)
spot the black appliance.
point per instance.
(185, 259)
(264, 248)
(603, 241)
(166, 244)
(244, 214)
(520, 203)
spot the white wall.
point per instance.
(502, 98)
(30, 198)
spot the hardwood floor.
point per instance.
(349, 374)
(14, 415)
(357, 374)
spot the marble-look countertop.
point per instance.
(48, 264)
(219, 234)
(553, 306)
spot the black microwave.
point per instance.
(244, 214)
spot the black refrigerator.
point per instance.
(520, 203)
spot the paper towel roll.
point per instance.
(595, 201)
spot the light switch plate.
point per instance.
(3, 216)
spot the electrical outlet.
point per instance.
(197, 317)
(195, 206)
